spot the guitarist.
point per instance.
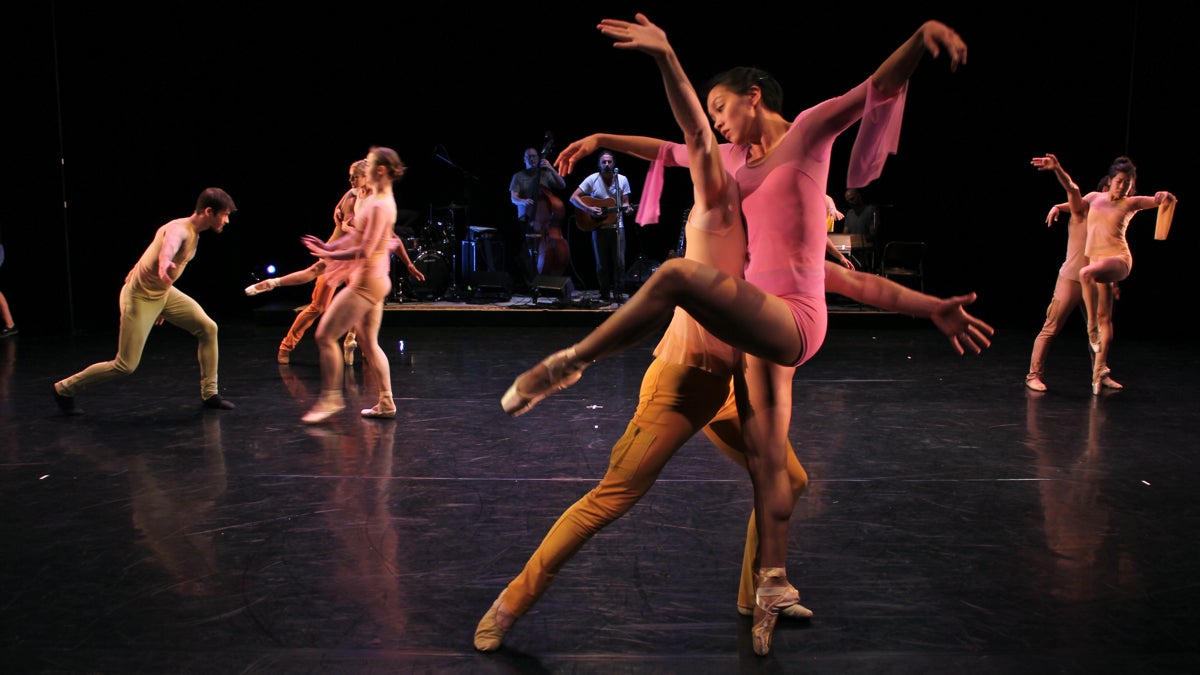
(602, 203)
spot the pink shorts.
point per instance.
(812, 322)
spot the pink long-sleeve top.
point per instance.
(783, 196)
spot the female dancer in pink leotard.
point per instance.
(777, 314)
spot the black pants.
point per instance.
(609, 245)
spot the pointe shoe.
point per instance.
(1098, 380)
(1035, 383)
(284, 356)
(796, 611)
(1109, 383)
(253, 289)
(769, 602)
(325, 408)
(492, 627)
(561, 371)
(348, 351)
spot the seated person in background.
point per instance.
(862, 219)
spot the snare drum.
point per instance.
(436, 269)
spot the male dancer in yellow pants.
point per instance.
(149, 297)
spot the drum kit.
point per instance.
(432, 252)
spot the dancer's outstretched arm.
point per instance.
(642, 147)
(966, 332)
(709, 177)
(1074, 195)
(932, 37)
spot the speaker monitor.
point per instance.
(491, 285)
(549, 286)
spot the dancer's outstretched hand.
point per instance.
(966, 332)
(575, 151)
(638, 34)
(315, 245)
(938, 37)
(1047, 163)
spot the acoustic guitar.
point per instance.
(587, 222)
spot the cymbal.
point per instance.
(450, 207)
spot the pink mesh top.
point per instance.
(783, 196)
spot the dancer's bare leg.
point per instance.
(344, 311)
(734, 310)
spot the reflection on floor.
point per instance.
(955, 521)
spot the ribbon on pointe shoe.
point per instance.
(769, 601)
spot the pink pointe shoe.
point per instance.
(1035, 383)
(769, 603)
(557, 372)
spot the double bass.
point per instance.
(554, 254)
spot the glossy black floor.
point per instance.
(955, 522)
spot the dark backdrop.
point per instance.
(121, 115)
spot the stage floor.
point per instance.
(955, 521)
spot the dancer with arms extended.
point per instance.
(1068, 293)
(1109, 259)
(780, 318)
(368, 282)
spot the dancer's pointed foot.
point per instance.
(489, 634)
(348, 351)
(284, 356)
(1108, 383)
(557, 372)
(771, 596)
(327, 406)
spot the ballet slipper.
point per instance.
(1035, 383)
(769, 601)
(348, 350)
(253, 289)
(385, 409)
(327, 406)
(492, 627)
(557, 372)
(284, 356)
(1109, 383)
